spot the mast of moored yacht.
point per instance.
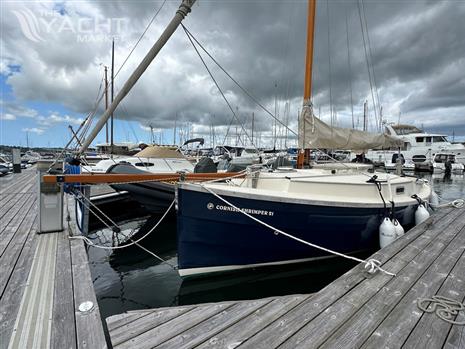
(307, 109)
(181, 13)
(112, 91)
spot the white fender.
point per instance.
(387, 232)
(421, 214)
(434, 199)
(398, 228)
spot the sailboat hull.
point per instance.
(213, 237)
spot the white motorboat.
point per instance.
(446, 162)
(418, 146)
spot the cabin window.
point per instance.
(428, 140)
(438, 139)
(418, 158)
(420, 139)
(400, 190)
(144, 164)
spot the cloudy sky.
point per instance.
(53, 54)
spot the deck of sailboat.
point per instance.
(356, 310)
(44, 277)
(320, 187)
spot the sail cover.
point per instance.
(316, 134)
(160, 152)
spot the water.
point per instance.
(131, 278)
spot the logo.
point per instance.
(251, 211)
(29, 24)
(86, 29)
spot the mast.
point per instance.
(106, 102)
(253, 117)
(365, 116)
(307, 104)
(181, 13)
(275, 114)
(307, 109)
(112, 89)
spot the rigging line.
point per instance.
(329, 66)
(125, 111)
(218, 86)
(235, 81)
(140, 38)
(350, 71)
(371, 263)
(82, 125)
(89, 119)
(366, 57)
(227, 130)
(98, 98)
(372, 64)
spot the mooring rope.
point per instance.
(445, 308)
(457, 203)
(133, 242)
(371, 265)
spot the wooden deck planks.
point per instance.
(368, 317)
(238, 333)
(160, 333)
(203, 331)
(89, 328)
(33, 323)
(51, 317)
(325, 301)
(63, 324)
(430, 331)
(10, 299)
(9, 259)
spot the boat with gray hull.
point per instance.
(154, 196)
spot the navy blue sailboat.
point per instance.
(340, 209)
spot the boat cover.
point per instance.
(316, 134)
(155, 151)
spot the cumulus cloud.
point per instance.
(7, 116)
(55, 118)
(417, 67)
(37, 130)
(17, 110)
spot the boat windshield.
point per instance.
(406, 129)
(439, 139)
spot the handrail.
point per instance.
(128, 178)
